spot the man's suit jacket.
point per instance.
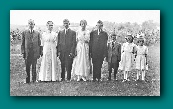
(98, 45)
(29, 40)
(114, 52)
(66, 42)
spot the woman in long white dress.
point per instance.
(48, 69)
(81, 65)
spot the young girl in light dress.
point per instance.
(127, 57)
(141, 58)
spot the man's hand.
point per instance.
(71, 55)
(41, 51)
(86, 41)
(106, 59)
(58, 54)
(24, 55)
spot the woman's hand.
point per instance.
(86, 41)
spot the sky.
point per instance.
(21, 17)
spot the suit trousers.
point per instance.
(97, 65)
(30, 60)
(66, 63)
(115, 67)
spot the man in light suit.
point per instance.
(30, 49)
(66, 49)
(98, 49)
(114, 56)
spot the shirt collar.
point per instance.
(99, 30)
(66, 29)
(30, 30)
(49, 31)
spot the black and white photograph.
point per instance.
(84, 53)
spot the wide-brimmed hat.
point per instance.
(129, 37)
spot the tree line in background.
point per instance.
(150, 29)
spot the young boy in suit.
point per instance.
(114, 56)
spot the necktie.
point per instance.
(66, 30)
(112, 45)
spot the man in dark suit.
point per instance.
(66, 49)
(30, 49)
(98, 49)
(114, 56)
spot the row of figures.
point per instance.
(80, 53)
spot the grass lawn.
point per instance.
(105, 88)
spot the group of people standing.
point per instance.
(81, 53)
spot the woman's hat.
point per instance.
(129, 37)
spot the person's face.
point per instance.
(66, 25)
(50, 27)
(99, 26)
(140, 43)
(114, 38)
(31, 25)
(83, 25)
(129, 40)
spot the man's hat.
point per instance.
(30, 21)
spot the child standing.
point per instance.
(127, 57)
(114, 56)
(141, 58)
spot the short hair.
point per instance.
(66, 21)
(83, 21)
(100, 22)
(30, 21)
(49, 23)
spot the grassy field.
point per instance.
(105, 88)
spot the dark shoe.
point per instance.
(62, 80)
(94, 80)
(115, 79)
(27, 81)
(68, 81)
(109, 79)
